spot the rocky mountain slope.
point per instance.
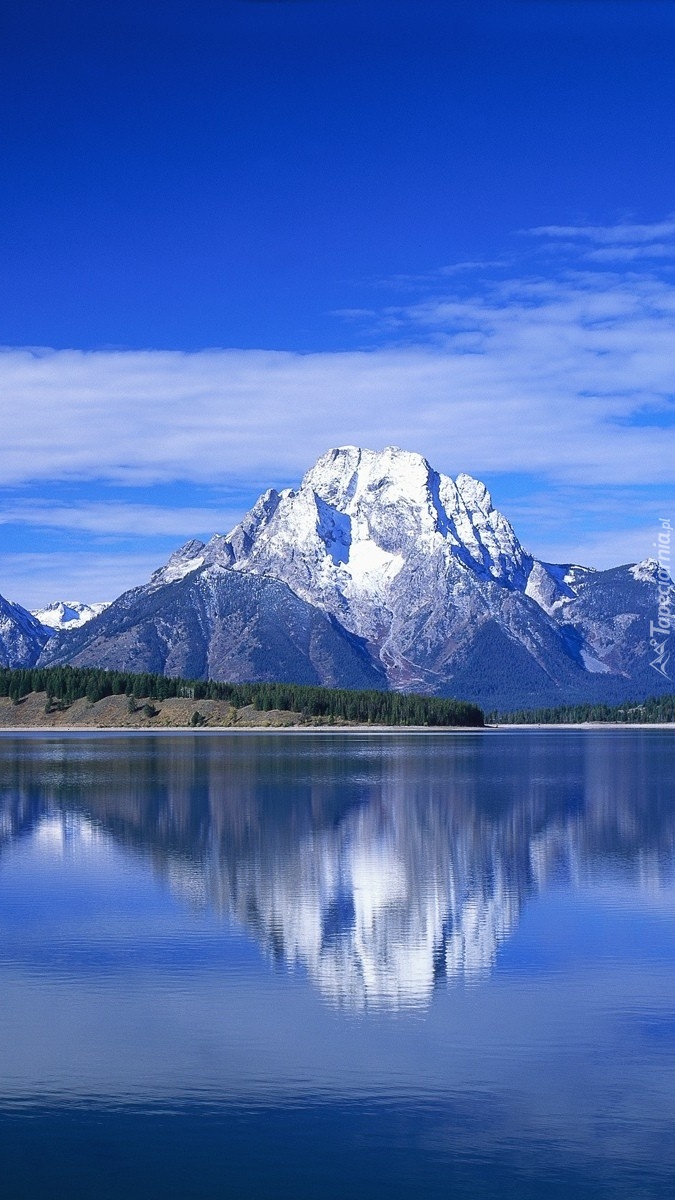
(379, 571)
(21, 636)
(218, 624)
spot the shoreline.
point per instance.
(276, 730)
(120, 714)
(588, 725)
(167, 731)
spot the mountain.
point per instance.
(218, 624)
(67, 614)
(437, 583)
(407, 578)
(21, 635)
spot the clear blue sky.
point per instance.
(354, 183)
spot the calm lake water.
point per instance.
(396, 965)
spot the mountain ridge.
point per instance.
(380, 570)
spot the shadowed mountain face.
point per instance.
(21, 636)
(384, 867)
(379, 571)
(217, 624)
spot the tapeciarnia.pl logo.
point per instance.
(659, 630)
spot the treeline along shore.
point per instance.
(50, 695)
(657, 710)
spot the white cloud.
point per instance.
(531, 375)
(622, 232)
(631, 253)
(122, 519)
(622, 242)
(566, 379)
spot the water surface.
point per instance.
(337, 965)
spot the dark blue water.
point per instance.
(436, 965)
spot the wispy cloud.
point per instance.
(555, 375)
(620, 253)
(624, 242)
(121, 519)
(622, 233)
(36, 579)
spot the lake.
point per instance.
(337, 965)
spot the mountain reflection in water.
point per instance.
(383, 866)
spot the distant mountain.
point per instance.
(67, 614)
(21, 636)
(379, 571)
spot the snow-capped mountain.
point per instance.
(403, 557)
(21, 635)
(418, 576)
(67, 614)
(436, 582)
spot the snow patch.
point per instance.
(179, 570)
(593, 664)
(369, 564)
(575, 575)
(645, 571)
(183, 562)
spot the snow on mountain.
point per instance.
(435, 581)
(182, 562)
(645, 571)
(359, 516)
(218, 624)
(68, 614)
(416, 564)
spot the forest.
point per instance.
(655, 710)
(64, 685)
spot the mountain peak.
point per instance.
(22, 636)
(474, 493)
(366, 527)
(337, 473)
(645, 571)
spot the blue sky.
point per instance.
(234, 233)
